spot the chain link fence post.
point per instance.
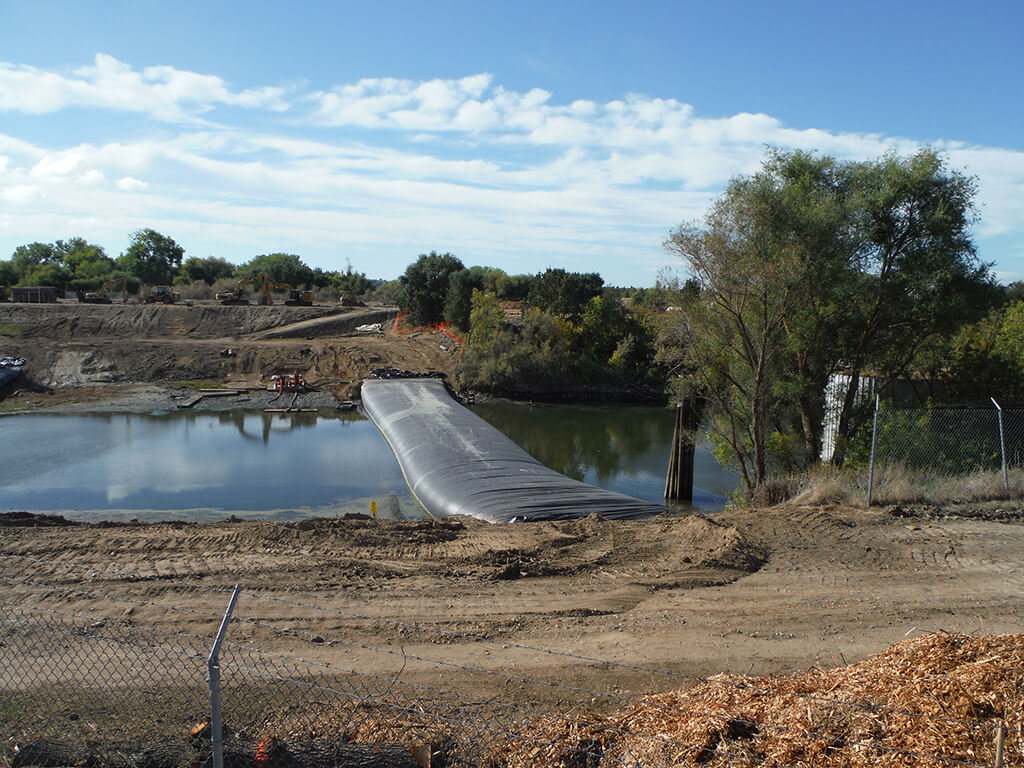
(213, 667)
(871, 460)
(1002, 444)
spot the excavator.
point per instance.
(235, 296)
(100, 296)
(296, 297)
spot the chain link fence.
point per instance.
(946, 454)
(88, 691)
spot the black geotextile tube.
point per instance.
(455, 463)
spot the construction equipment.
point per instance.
(162, 294)
(235, 296)
(100, 296)
(296, 297)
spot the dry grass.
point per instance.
(893, 484)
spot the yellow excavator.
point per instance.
(235, 295)
(100, 296)
(296, 297)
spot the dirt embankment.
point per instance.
(81, 353)
(758, 591)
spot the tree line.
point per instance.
(153, 258)
(549, 333)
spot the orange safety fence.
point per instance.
(441, 327)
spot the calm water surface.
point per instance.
(204, 466)
(624, 448)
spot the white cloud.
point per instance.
(460, 163)
(128, 184)
(162, 92)
(21, 193)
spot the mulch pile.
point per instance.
(933, 700)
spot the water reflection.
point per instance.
(274, 422)
(621, 447)
(287, 465)
(194, 466)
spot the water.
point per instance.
(623, 448)
(199, 466)
(205, 466)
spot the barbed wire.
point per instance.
(866, 706)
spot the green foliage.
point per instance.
(424, 287)
(9, 273)
(279, 268)
(814, 266)
(548, 353)
(350, 282)
(564, 293)
(152, 257)
(209, 270)
(986, 359)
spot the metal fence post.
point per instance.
(1002, 444)
(871, 459)
(213, 667)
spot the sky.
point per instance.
(521, 135)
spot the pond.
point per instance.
(207, 465)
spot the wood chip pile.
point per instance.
(933, 700)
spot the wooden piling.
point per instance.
(679, 480)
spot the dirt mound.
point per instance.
(933, 698)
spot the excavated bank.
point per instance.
(455, 463)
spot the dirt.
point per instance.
(752, 592)
(138, 357)
(748, 591)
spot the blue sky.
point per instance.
(520, 135)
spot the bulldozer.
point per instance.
(296, 297)
(162, 294)
(100, 296)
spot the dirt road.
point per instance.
(758, 591)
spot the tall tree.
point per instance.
(424, 286)
(152, 257)
(811, 267)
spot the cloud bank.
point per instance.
(382, 169)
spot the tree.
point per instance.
(814, 266)
(279, 268)
(424, 286)
(351, 282)
(209, 270)
(152, 257)
(564, 293)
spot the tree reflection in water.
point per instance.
(574, 439)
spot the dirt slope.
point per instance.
(71, 346)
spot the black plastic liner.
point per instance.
(455, 463)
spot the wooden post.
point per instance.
(679, 480)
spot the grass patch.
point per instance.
(10, 329)
(893, 484)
